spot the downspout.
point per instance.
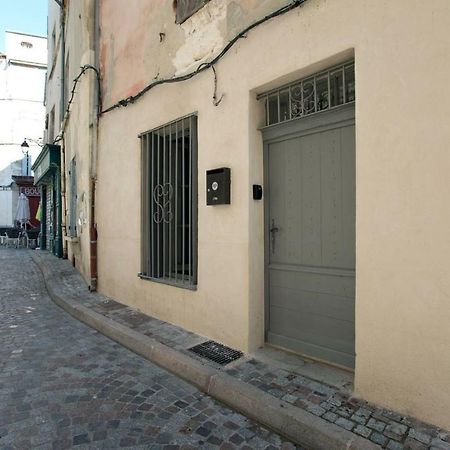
(61, 120)
(63, 146)
(94, 148)
(63, 200)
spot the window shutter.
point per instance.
(73, 199)
(185, 8)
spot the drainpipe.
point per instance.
(93, 241)
(63, 200)
(63, 146)
(94, 148)
(61, 119)
(62, 114)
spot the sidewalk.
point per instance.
(305, 410)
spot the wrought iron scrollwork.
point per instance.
(323, 91)
(309, 95)
(296, 101)
(162, 196)
(302, 98)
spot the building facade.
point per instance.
(9, 193)
(70, 135)
(47, 177)
(22, 114)
(22, 84)
(13, 182)
(264, 173)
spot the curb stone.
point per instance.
(293, 423)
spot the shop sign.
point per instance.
(40, 170)
(30, 191)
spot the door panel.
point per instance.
(311, 248)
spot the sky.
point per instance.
(27, 16)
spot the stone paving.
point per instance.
(386, 428)
(63, 385)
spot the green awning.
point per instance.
(48, 161)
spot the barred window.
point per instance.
(169, 203)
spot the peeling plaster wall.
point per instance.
(203, 37)
(80, 131)
(402, 157)
(145, 37)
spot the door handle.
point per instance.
(273, 230)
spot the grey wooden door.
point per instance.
(310, 238)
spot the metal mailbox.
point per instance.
(218, 183)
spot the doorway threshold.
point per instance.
(321, 372)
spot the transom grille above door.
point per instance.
(321, 92)
(169, 203)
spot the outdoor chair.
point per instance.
(12, 238)
(31, 239)
(23, 239)
(32, 236)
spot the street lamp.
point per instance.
(24, 146)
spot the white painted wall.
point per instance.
(18, 48)
(9, 194)
(22, 84)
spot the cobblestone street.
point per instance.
(383, 427)
(64, 385)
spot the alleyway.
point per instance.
(64, 385)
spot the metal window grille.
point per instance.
(169, 203)
(320, 92)
(73, 198)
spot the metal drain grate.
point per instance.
(216, 352)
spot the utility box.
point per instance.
(218, 183)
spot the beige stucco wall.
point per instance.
(80, 129)
(402, 137)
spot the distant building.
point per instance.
(22, 114)
(9, 193)
(14, 182)
(22, 86)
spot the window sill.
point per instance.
(176, 284)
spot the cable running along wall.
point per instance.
(201, 68)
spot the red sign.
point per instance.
(30, 191)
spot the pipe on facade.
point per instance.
(63, 146)
(61, 117)
(93, 157)
(63, 201)
(93, 242)
(60, 3)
